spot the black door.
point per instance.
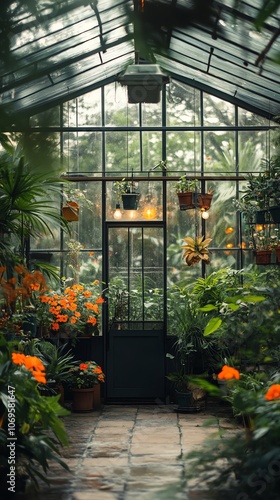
(135, 333)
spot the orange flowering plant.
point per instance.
(18, 291)
(28, 417)
(86, 375)
(72, 309)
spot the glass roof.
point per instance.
(54, 50)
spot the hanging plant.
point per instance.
(125, 190)
(196, 249)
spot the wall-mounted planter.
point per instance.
(263, 257)
(70, 211)
(130, 201)
(275, 214)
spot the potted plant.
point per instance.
(126, 190)
(196, 249)
(205, 199)
(57, 362)
(69, 311)
(74, 199)
(185, 189)
(37, 424)
(28, 203)
(84, 378)
(192, 350)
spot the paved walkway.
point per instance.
(131, 452)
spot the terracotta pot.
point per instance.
(96, 397)
(263, 257)
(83, 399)
(205, 200)
(185, 200)
(70, 211)
(277, 253)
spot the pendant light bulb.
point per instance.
(117, 213)
(204, 214)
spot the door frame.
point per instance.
(106, 334)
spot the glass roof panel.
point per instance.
(60, 49)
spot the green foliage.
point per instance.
(57, 360)
(246, 464)
(38, 427)
(28, 203)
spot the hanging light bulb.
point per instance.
(132, 214)
(204, 214)
(117, 213)
(149, 211)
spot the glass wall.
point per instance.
(100, 138)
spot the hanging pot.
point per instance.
(261, 217)
(263, 257)
(185, 200)
(70, 211)
(130, 201)
(204, 200)
(275, 214)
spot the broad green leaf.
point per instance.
(208, 307)
(212, 326)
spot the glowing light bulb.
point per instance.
(117, 213)
(149, 212)
(132, 214)
(204, 214)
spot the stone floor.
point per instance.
(126, 452)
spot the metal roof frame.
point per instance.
(56, 55)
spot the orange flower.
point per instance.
(273, 392)
(83, 366)
(92, 320)
(87, 294)
(31, 363)
(228, 373)
(18, 358)
(99, 300)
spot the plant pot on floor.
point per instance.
(83, 399)
(184, 400)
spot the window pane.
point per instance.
(183, 151)
(217, 112)
(219, 152)
(182, 105)
(82, 151)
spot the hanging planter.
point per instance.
(275, 214)
(204, 200)
(263, 257)
(185, 189)
(130, 201)
(125, 190)
(70, 211)
(186, 200)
